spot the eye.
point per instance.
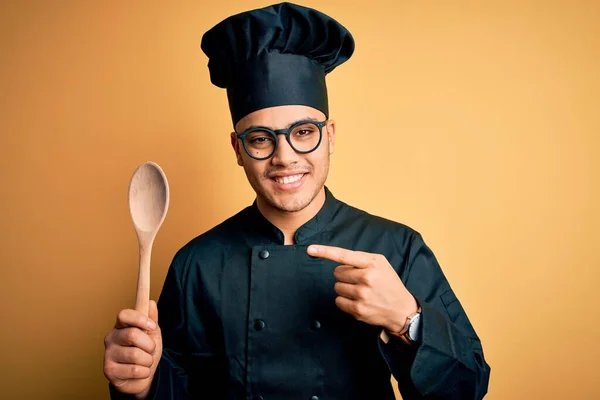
(304, 131)
(260, 139)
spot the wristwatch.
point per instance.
(411, 332)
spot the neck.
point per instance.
(289, 222)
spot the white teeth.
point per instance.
(288, 179)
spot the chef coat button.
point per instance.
(263, 254)
(315, 324)
(314, 398)
(259, 324)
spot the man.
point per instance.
(298, 296)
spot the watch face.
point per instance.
(413, 329)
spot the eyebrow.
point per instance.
(287, 127)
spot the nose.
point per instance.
(284, 153)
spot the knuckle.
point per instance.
(139, 372)
(134, 371)
(131, 355)
(362, 293)
(146, 361)
(152, 347)
(109, 370)
(358, 309)
(130, 335)
(368, 278)
(108, 340)
(122, 315)
(373, 261)
(141, 321)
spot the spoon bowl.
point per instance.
(148, 205)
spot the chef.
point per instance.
(299, 295)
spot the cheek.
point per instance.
(320, 158)
(252, 168)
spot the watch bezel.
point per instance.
(413, 328)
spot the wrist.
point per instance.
(399, 321)
(396, 325)
(409, 332)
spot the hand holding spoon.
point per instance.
(148, 205)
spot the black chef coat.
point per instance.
(245, 317)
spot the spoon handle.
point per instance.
(142, 298)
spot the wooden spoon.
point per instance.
(148, 205)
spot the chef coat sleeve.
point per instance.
(448, 363)
(178, 366)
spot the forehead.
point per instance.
(278, 117)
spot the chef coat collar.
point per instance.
(313, 226)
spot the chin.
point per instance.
(288, 202)
(294, 204)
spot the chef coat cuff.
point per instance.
(441, 350)
(444, 354)
(398, 355)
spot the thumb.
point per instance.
(153, 311)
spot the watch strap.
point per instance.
(404, 333)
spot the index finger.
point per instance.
(358, 259)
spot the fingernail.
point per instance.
(150, 324)
(312, 250)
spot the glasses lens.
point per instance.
(260, 144)
(305, 137)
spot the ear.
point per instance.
(331, 135)
(235, 143)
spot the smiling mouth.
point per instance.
(287, 179)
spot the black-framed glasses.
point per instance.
(304, 137)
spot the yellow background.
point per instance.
(475, 123)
